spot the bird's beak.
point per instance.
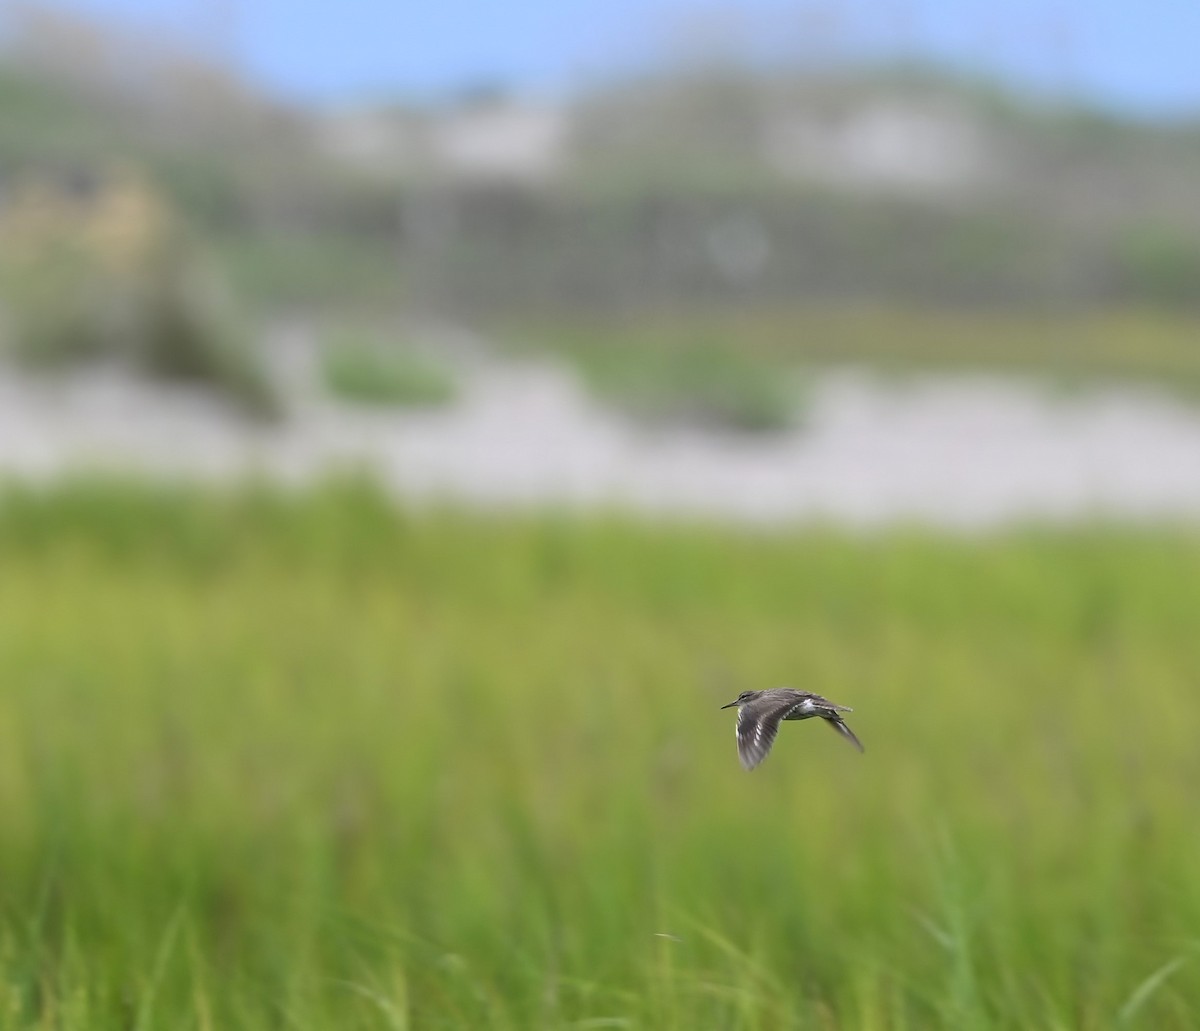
(730, 705)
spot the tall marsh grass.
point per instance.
(313, 763)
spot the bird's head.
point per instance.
(742, 699)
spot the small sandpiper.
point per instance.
(759, 713)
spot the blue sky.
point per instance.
(1143, 56)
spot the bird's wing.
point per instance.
(757, 726)
(838, 725)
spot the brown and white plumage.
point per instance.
(760, 713)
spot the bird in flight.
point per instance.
(759, 714)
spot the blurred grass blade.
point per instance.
(1145, 991)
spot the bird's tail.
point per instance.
(839, 725)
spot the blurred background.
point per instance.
(416, 420)
(767, 260)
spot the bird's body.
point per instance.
(760, 713)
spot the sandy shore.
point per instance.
(951, 451)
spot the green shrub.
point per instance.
(108, 272)
(704, 383)
(1159, 263)
(367, 372)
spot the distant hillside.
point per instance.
(717, 187)
(75, 93)
(730, 187)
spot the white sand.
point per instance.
(951, 451)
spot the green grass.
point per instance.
(770, 344)
(274, 763)
(368, 372)
(693, 382)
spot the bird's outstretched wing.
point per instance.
(757, 725)
(839, 725)
(831, 713)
